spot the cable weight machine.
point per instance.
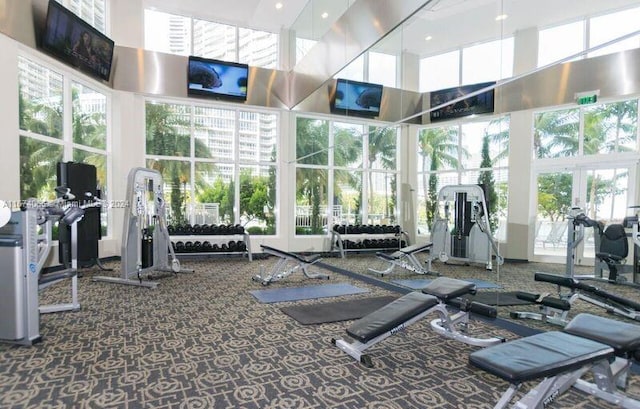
(469, 239)
(146, 245)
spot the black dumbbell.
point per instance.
(233, 246)
(197, 247)
(171, 229)
(206, 247)
(242, 246)
(188, 246)
(180, 247)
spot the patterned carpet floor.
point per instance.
(201, 340)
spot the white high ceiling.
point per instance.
(450, 23)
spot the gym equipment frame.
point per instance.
(406, 258)
(470, 240)
(279, 272)
(145, 222)
(589, 343)
(396, 316)
(23, 252)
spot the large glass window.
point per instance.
(556, 43)
(572, 170)
(610, 26)
(440, 71)
(488, 61)
(45, 140)
(471, 153)
(182, 35)
(91, 11)
(382, 69)
(346, 174)
(218, 164)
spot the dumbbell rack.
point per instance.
(226, 235)
(366, 234)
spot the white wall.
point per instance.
(9, 118)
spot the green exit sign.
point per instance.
(587, 99)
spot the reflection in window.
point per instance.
(176, 177)
(215, 194)
(91, 11)
(347, 192)
(558, 42)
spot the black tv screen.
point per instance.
(217, 79)
(356, 98)
(72, 40)
(478, 104)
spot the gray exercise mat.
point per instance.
(336, 311)
(306, 293)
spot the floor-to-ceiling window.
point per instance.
(182, 35)
(467, 153)
(218, 163)
(62, 118)
(584, 157)
(346, 173)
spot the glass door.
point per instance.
(602, 193)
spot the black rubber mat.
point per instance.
(498, 298)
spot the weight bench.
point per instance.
(589, 343)
(279, 272)
(412, 307)
(406, 258)
(612, 303)
(552, 310)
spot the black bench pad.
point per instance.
(390, 316)
(447, 288)
(285, 254)
(539, 356)
(621, 336)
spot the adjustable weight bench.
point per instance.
(278, 271)
(589, 343)
(611, 302)
(552, 310)
(406, 258)
(412, 307)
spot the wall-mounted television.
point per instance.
(478, 104)
(74, 41)
(356, 98)
(217, 79)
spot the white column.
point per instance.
(9, 118)
(525, 50)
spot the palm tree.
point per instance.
(383, 147)
(555, 133)
(312, 141)
(438, 147)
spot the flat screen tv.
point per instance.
(478, 104)
(356, 98)
(217, 79)
(74, 41)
